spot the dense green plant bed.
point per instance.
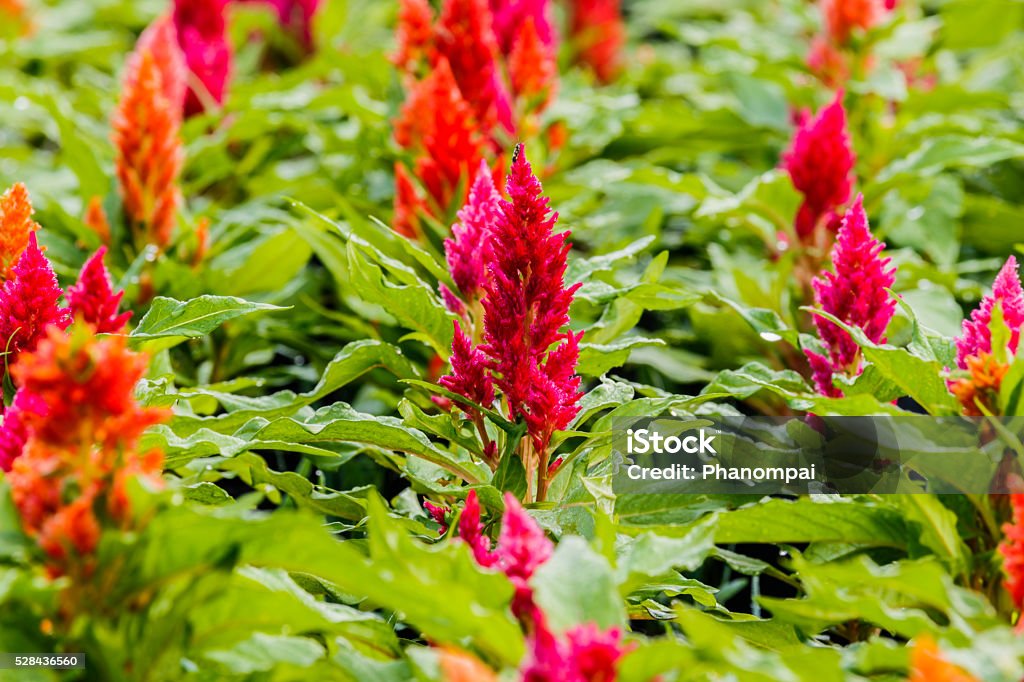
(323, 322)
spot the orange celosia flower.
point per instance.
(83, 427)
(843, 16)
(415, 34)
(981, 389)
(459, 666)
(146, 134)
(1012, 551)
(96, 219)
(15, 12)
(16, 225)
(532, 67)
(161, 39)
(927, 664)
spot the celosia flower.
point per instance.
(598, 34)
(586, 654)
(202, 36)
(408, 204)
(16, 225)
(470, 375)
(82, 423)
(465, 39)
(1012, 551)
(459, 666)
(161, 39)
(977, 337)
(95, 219)
(820, 162)
(843, 16)
(93, 299)
(532, 66)
(438, 513)
(439, 124)
(981, 387)
(468, 249)
(511, 16)
(15, 16)
(855, 293)
(928, 665)
(13, 431)
(526, 308)
(149, 148)
(29, 303)
(83, 388)
(415, 34)
(522, 548)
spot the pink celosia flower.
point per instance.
(438, 513)
(1012, 550)
(526, 309)
(470, 375)
(29, 303)
(977, 338)
(856, 293)
(820, 163)
(202, 35)
(522, 548)
(586, 654)
(510, 16)
(93, 298)
(468, 249)
(13, 430)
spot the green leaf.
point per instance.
(173, 321)
(577, 585)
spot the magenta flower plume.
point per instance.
(522, 548)
(14, 431)
(526, 307)
(470, 375)
(586, 654)
(468, 249)
(93, 298)
(976, 337)
(856, 293)
(29, 303)
(202, 35)
(511, 15)
(820, 164)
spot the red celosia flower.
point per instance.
(465, 39)
(587, 654)
(437, 122)
(598, 34)
(408, 204)
(843, 16)
(532, 66)
(438, 513)
(468, 249)
(202, 36)
(1012, 550)
(511, 16)
(928, 665)
(83, 388)
(470, 375)
(29, 303)
(93, 299)
(149, 148)
(820, 162)
(415, 34)
(977, 337)
(471, 530)
(96, 219)
(16, 225)
(526, 308)
(856, 293)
